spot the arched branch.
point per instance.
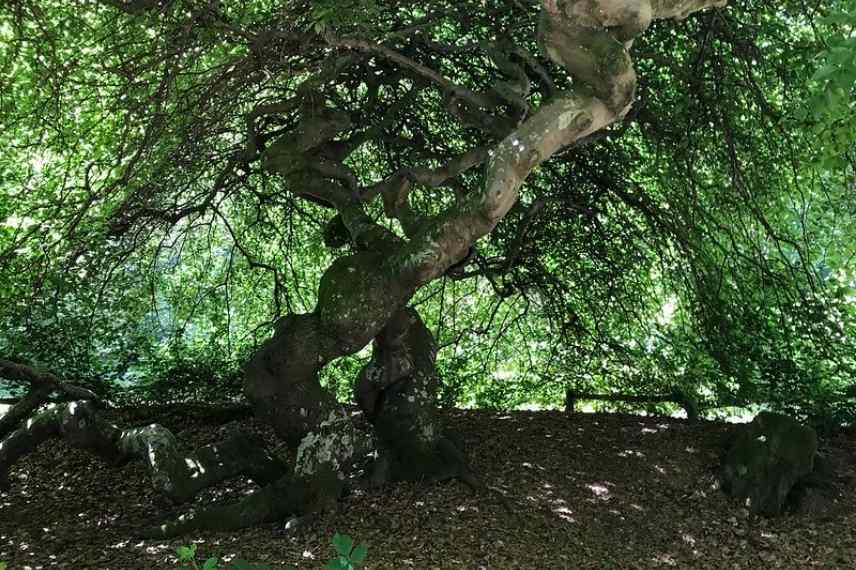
(590, 40)
(42, 386)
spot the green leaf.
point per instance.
(186, 553)
(2, 566)
(824, 72)
(842, 18)
(210, 564)
(338, 564)
(343, 544)
(359, 554)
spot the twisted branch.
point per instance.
(42, 385)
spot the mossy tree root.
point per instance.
(324, 459)
(176, 475)
(272, 502)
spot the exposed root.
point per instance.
(273, 502)
(174, 474)
(288, 497)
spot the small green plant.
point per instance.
(2, 566)
(187, 559)
(348, 557)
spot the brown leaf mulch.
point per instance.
(588, 491)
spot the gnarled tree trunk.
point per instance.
(363, 296)
(397, 391)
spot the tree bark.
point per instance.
(397, 391)
(42, 385)
(358, 294)
(176, 475)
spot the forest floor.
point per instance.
(588, 491)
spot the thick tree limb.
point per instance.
(42, 385)
(274, 502)
(22, 373)
(23, 409)
(176, 475)
(589, 39)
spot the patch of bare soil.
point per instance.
(588, 491)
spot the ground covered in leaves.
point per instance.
(587, 491)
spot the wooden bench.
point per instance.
(689, 406)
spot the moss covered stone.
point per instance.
(767, 458)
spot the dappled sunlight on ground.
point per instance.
(588, 491)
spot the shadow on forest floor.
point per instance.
(589, 491)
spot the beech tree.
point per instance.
(414, 126)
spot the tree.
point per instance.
(415, 127)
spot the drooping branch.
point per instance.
(423, 71)
(23, 373)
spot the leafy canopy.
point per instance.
(704, 245)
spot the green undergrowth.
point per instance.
(348, 556)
